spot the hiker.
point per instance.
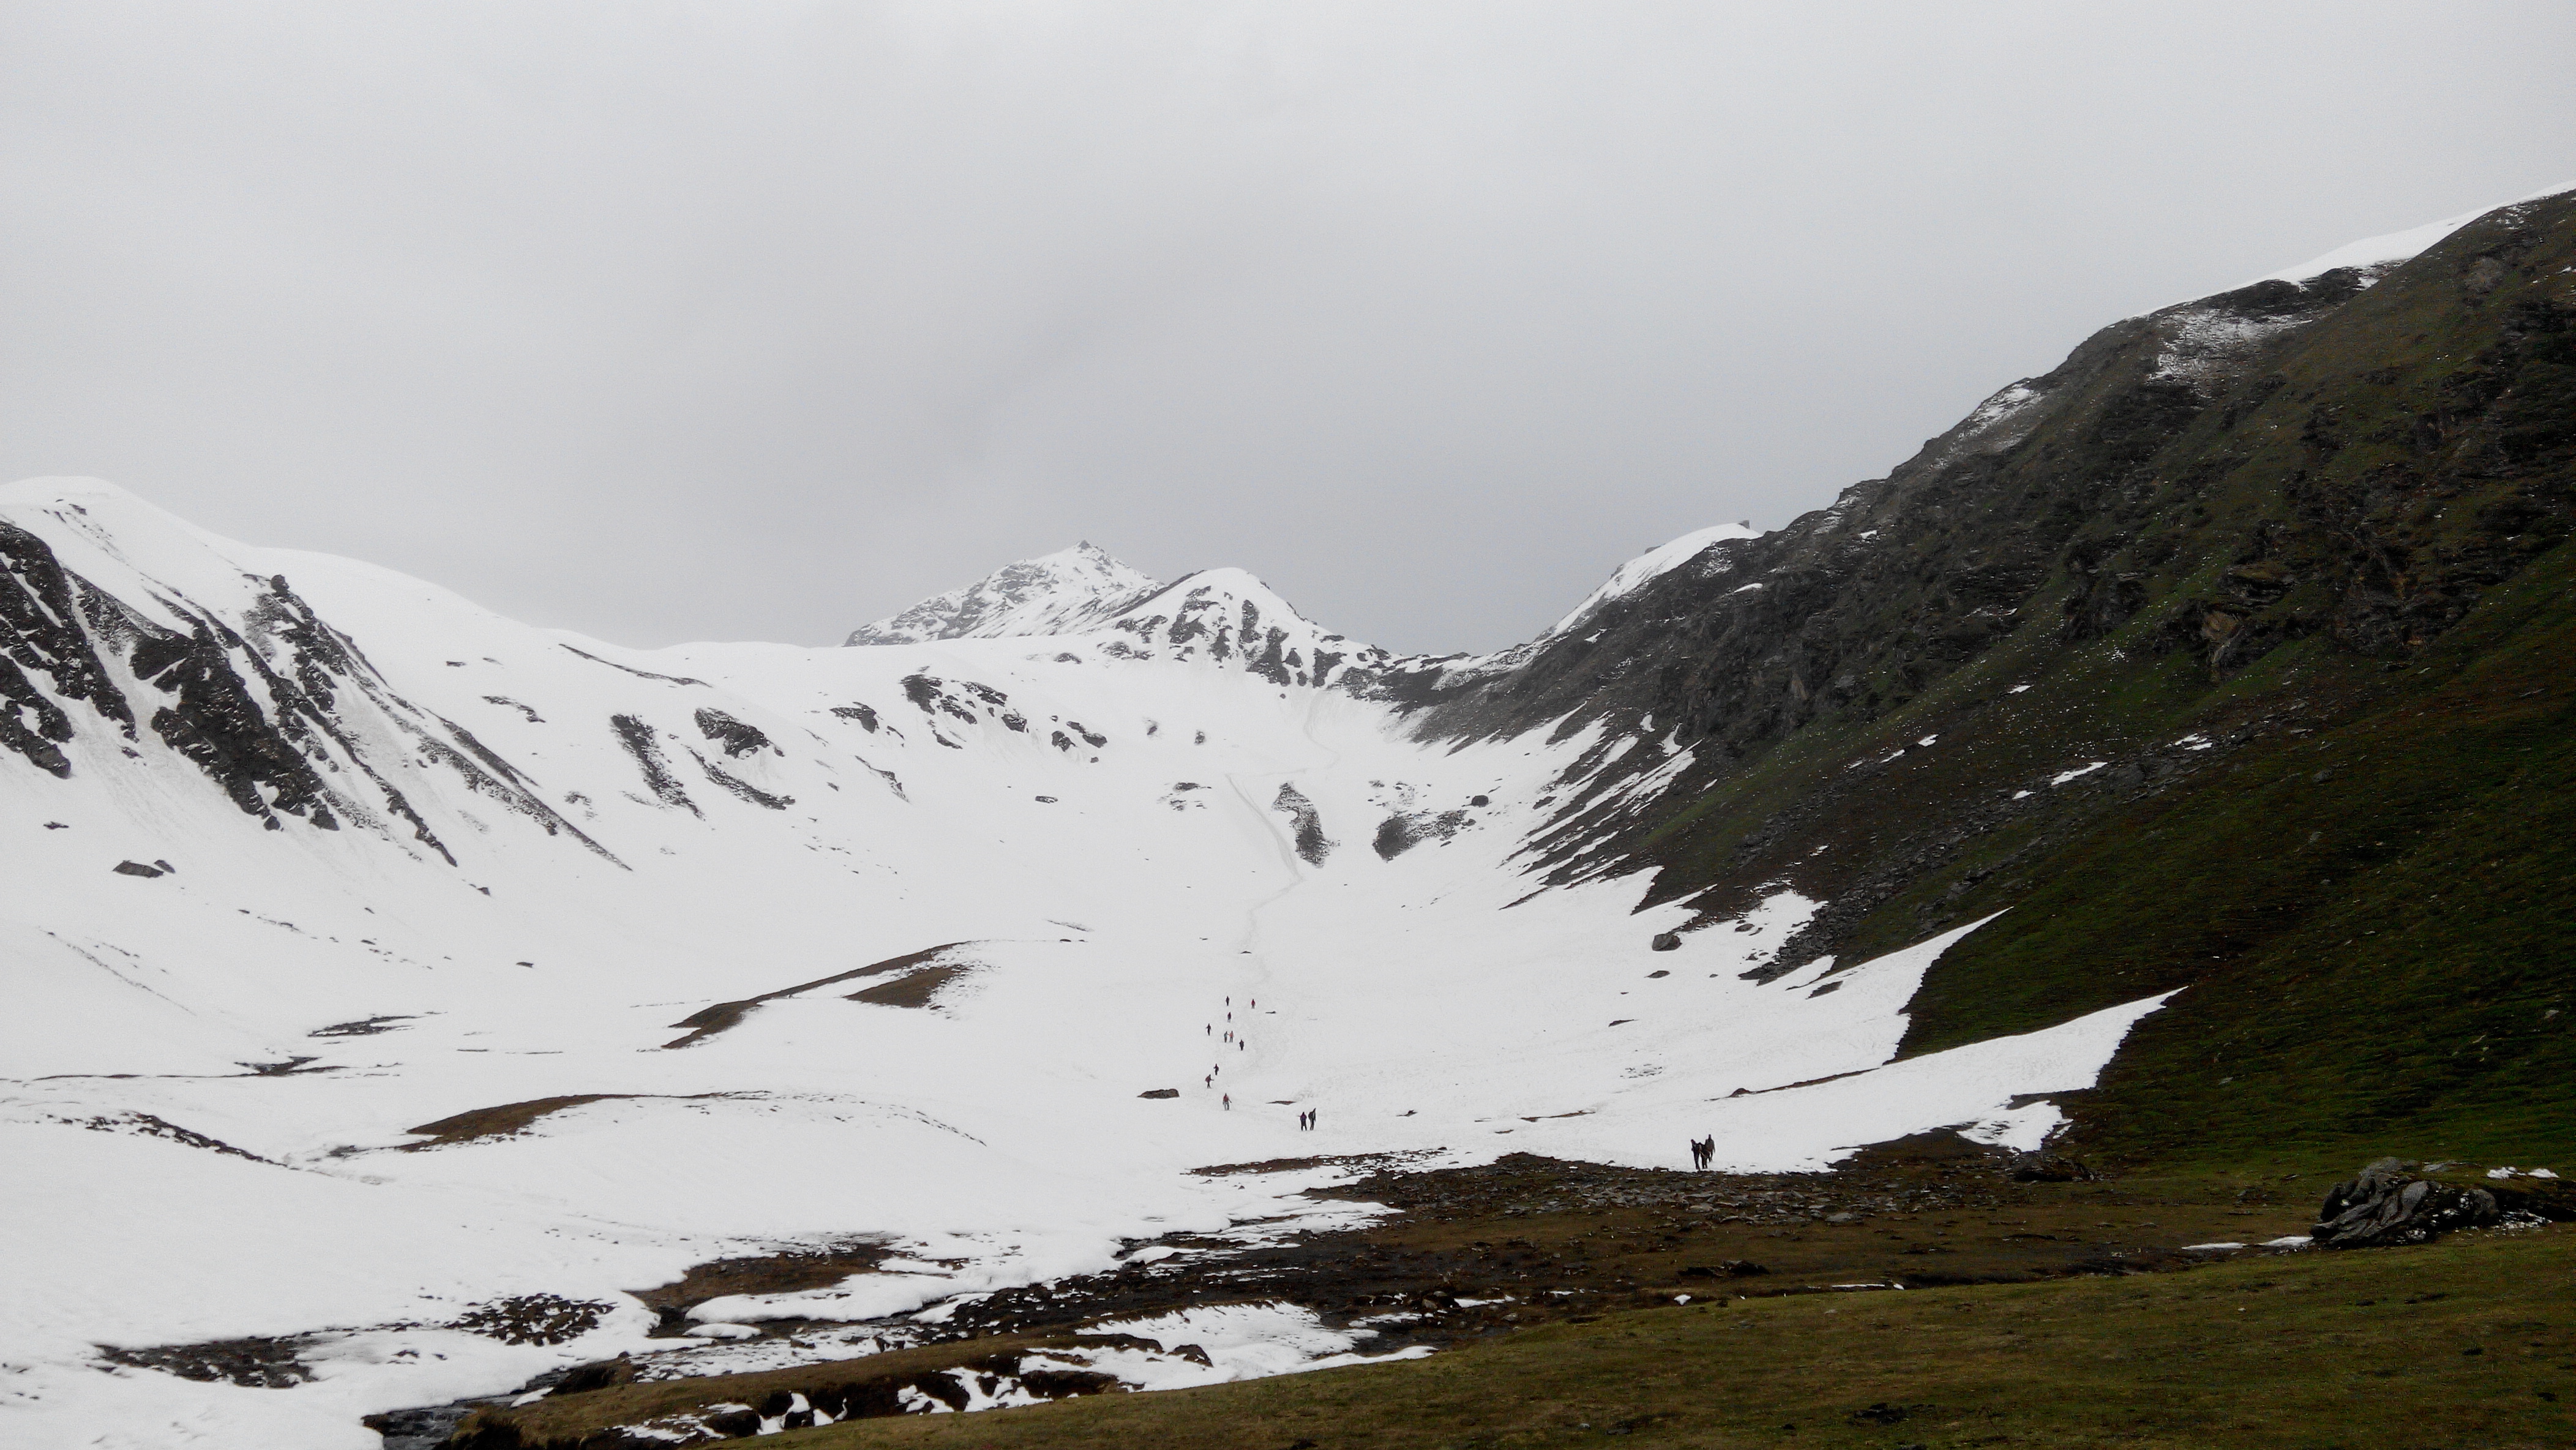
(1228, 1101)
(1211, 1027)
(1312, 1114)
(1209, 1081)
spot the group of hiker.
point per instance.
(1225, 1101)
(1703, 1152)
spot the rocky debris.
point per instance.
(534, 1319)
(135, 868)
(1312, 844)
(2042, 1167)
(1667, 941)
(148, 1125)
(873, 1387)
(258, 1363)
(639, 741)
(740, 787)
(1405, 830)
(738, 737)
(2388, 1204)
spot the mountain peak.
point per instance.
(1057, 593)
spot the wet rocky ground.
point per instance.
(1468, 1253)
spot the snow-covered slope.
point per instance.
(1056, 593)
(304, 855)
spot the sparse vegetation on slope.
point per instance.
(2463, 1342)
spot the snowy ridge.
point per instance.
(1660, 560)
(1059, 593)
(2382, 252)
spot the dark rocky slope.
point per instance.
(2287, 563)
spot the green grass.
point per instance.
(2371, 960)
(2467, 1342)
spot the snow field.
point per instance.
(993, 1136)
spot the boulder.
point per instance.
(1667, 941)
(2046, 1168)
(2389, 1204)
(1160, 1093)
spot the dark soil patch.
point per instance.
(706, 1022)
(916, 989)
(781, 1273)
(501, 1121)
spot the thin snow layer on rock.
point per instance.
(1056, 593)
(1661, 559)
(210, 1075)
(2202, 343)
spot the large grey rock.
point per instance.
(2388, 1204)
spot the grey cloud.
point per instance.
(695, 320)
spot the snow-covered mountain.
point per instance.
(1058, 593)
(305, 855)
(1217, 617)
(377, 961)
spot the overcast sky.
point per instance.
(670, 321)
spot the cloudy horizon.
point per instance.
(690, 321)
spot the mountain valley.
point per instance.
(2056, 861)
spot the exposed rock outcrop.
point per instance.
(2388, 1204)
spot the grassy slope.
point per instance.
(2364, 888)
(2464, 1342)
(2371, 921)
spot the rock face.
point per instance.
(2047, 1168)
(1058, 594)
(2387, 1204)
